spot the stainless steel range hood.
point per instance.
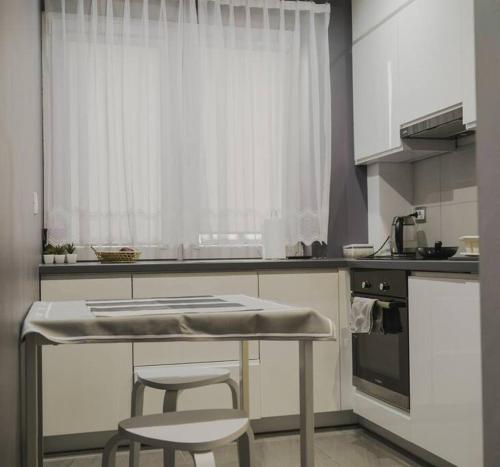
(446, 126)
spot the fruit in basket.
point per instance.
(127, 248)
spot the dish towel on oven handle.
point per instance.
(361, 315)
(386, 318)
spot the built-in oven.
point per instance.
(381, 360)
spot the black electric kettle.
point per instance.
(404, 236)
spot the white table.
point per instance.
(216, 318)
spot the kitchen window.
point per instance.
(174, 124)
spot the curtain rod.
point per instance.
(320, 2)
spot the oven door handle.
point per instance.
(385, 304)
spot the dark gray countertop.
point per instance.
(258, 264)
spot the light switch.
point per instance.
(36, 206)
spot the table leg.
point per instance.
(306, 404)
(33, 424)
(244, 377)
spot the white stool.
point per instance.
(173, 380)
(198, 431)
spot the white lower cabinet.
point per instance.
(445, 416)
(394, 420)
(86, 388)
(279, 360)
(445, 367)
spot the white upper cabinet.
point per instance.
(375, 85)
(367, 14)
(430, 65)
(468, 64)
(411, 60)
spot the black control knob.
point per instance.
(366, 285)
(383, 286)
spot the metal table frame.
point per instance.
(32, 422)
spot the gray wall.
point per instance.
(488, 170)
(20, 175)
(348, 205)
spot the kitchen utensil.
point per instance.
(438, 251)
(404, 236)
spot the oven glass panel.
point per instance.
(383, 359)
(380, 354)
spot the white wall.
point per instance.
(20, 176)
(446, 186)
(390, 193)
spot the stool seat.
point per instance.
(176, 378)
(194, 430)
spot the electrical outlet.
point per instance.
(421, 215)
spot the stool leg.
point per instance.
(170, 401)
(109, 453)
(204, 459)
(137, 409)
(169, 405)
(245, 449)
(233, 386)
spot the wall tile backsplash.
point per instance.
(446, 185)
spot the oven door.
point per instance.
(381, 362)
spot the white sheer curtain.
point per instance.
(170, 122)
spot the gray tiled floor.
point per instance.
(338, 448)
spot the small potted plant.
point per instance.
(59, 254)
(71, 256)
(48, 254)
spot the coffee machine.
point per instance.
(404, 236)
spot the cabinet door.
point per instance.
(86, 387)
(367, 14)
(169, 285)
(468, 64)
(279, 360)
(375, 92)
(445, 368)
(429, 33)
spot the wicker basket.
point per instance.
(117, 256)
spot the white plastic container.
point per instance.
(471, 245)
(358, 250)
(273, 238)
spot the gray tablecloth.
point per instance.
(253, 319)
